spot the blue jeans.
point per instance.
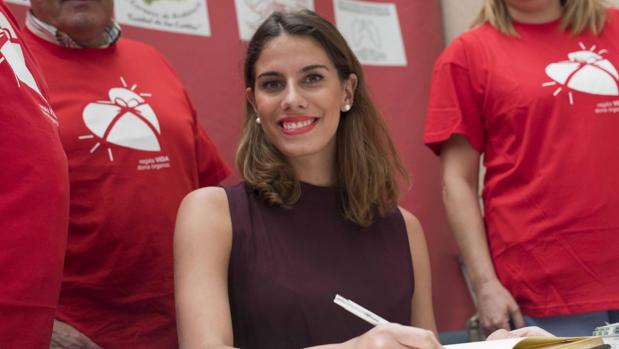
(575, 324)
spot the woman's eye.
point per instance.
(313, 78)
(271, 85)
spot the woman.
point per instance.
(258, 265)
(527, 87)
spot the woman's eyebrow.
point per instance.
(268, 73)
(272, 73)
(314, 66)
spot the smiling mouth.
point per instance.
(295, 126)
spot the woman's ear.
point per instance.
(249, 94)
(350, 85)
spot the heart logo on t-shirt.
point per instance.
(125, 120)
(585, 71)
(11, 52)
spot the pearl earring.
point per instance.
(258, 120)
(346, 107)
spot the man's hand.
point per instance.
(65, 336)
(496, 307)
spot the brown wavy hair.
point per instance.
(367, 164)
(577, 15)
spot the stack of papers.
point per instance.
(536, 343)
(608, 330)
(610, 333)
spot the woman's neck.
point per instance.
(314, 170)
(536, 14)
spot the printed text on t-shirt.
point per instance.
(156, 163)
(610, 107)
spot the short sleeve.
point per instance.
(454, 104)
(212, 169)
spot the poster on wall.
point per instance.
(19, 2)
(372, 31)
(250, 13)
(176, 16)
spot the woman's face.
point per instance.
(298, 97)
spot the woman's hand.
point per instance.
(496, 307)
(396, 336)
(531, 331)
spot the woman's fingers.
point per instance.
(397, 336)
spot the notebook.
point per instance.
(536, 343)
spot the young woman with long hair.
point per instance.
(258, 264)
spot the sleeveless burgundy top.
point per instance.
(287, 265)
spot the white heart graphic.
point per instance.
(586, 72)
(125, 120)
(11, 51)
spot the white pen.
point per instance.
(358, 310)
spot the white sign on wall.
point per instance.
(176, 16)
(251, 13)
(372, 31)
(19, 2)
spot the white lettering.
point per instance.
(156, 163)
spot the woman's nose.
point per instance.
(293, 98)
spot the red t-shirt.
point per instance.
(135, 149)
(544, 109)
(34, 197)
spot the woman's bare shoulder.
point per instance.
(413, 226)
(205, 196)
(204, 210)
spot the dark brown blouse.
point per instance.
(287, 265)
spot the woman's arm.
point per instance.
(422, 310)
(202, 244)
(460, 182)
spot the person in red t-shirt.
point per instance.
(135, 149)
(535, 88)
(34, 197)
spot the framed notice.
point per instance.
(176, 16)
(250, 13)
(372, 30)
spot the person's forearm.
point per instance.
(464, 216)
(494, 303)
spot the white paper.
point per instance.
(176, 16)
(613, 341)
(372, 31)
(251, 13)
(19, 2)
